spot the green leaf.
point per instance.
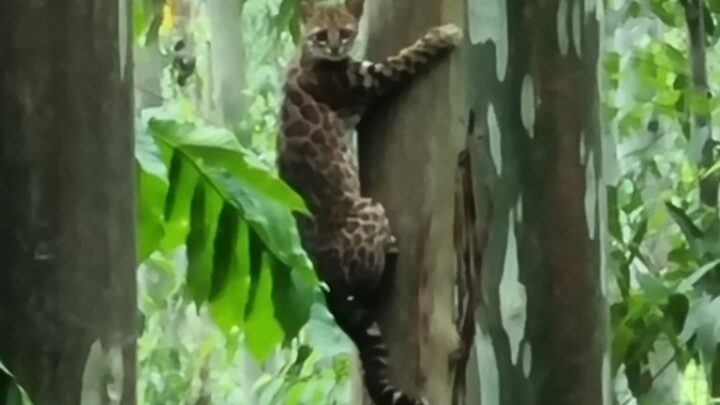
(611, 61)
(148, 154)
(147, 18)
(699, 102)
(263, 331)
(245, 259)
(687, 284)
(153, 191)
(711, 170)
(288, 17)
(255, 265)
(230, 297)
(224, 248)
(653, 287)
(714, 6)
(674, 56)
(270, 392)
(633, 120)
(204, 211)
(676, 310)
(693, 234)
(218, 149)
(703, 323)
(153, 185)
(666, 13)
(178, 134)
(15, 394)
(622, 338)
(183, 178)
(296, 392)
(274, 224)
(292, 297)
(323, 333)
(613, 217)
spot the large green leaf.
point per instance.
(235, 217)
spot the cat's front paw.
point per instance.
(445, 35)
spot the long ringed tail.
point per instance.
(364, 331)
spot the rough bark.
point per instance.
(413, 159)
(67, 195)
(542, 329)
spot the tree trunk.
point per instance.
(702, 127)
(228, 62)
(148, 69)
(67, 196)
(534, 92)
(413, 159)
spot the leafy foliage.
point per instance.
(664, 242)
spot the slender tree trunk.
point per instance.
(67, 195)
(702, 127)
(543, 327)
(228, 62)
(701, 119)
(148, 69)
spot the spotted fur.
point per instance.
(349, 237)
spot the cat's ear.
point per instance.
(306, 9)
(355, 7)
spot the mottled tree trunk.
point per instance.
(67, 196)
(510, 128)
(413, 158)
(543, 329)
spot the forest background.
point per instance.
(229, 307)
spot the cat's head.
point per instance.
(330, 31)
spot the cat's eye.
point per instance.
(345, 33)
(321, 36)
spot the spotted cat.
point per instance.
(349, 238)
